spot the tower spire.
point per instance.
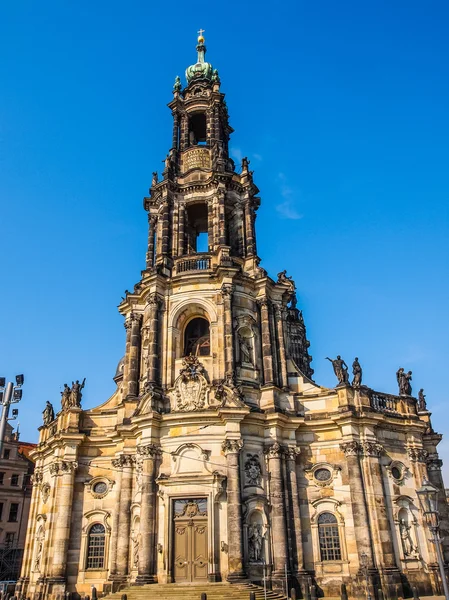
(201, 69)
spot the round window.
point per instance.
(100, 487)
(322, 475)
(396, 472)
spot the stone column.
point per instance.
(132, 356)
(152, 221)
(126, 462)
(210, 225)
(231, 449)
(221, 218)
(266, 342)
(434, 464)
(181, 229)
(295, 512)
(278, 516)
(64, 471)
(249, 230)
(117, 465)
(175, 230)
(147, 554)
(279, 317)
(184, 134)
(226, 292)
(153, 375)
(354, 476)
(175, 130)
(165, 228)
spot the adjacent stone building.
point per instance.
(218, 457)
(16, 469)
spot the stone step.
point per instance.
(193, 591)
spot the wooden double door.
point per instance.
(190, 532)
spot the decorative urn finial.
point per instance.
(201, 69)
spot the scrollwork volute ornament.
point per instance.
(37, 477)
(131, 319)
(417, 454)
(62, 467)
(149, 451)
(352, 448)
(274, 451)
(291, 452)
(45, 492)
(227, 290)
(231, 446)
(124, 461)
(154, 301)
(190, 386)
(371, 449)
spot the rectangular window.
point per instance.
(1, 510)
(9, 539)
(14, 479)
(2, 476)
(6, 453)
(329, 542)
(13, 512)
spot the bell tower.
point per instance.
(203, 292)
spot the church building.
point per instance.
(218, 458)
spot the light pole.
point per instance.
(428, 499)
(9, 394)
(364, 563)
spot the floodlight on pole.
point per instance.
(9, 394)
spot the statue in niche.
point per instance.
(357, 372)
(255, 542)
(406, 539)
(340, 369)
(246, 350)
(49, 414)
(37, 560)
(136, 544)
(422, 404)
(253, 471)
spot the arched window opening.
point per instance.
(197, 338)
(330, 548)
(197, 129)
(197, 228)
(96, 546)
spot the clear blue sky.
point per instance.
(342, 108)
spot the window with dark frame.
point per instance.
(6, 453)
(13, 512)
(1, 510)
(2, 476)
(9, 539)
(329, 537)
(14, 479)
(96, 546)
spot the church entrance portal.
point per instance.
(190, 540)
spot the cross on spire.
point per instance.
(200, 32)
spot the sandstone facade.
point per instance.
(218, 457)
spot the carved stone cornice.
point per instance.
(231, 446)
(274, 451)
(352, 448)
(61, 467)
(371, 449)
(263, 302)
(124, 461)
(149, 451)
(417, 454)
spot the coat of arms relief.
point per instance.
(191, 385)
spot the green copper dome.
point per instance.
(202, 69)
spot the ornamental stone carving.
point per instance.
(253, 471)
(191, 386)
(352, 448)
(37, 477)
(417, 454)
(291, 452)
(124, 461)
(149, 451)
(132, 318)
(371, 449)
(434, 463)
(231, 446)
(61, 467)
(45, 492)
(274, 451)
